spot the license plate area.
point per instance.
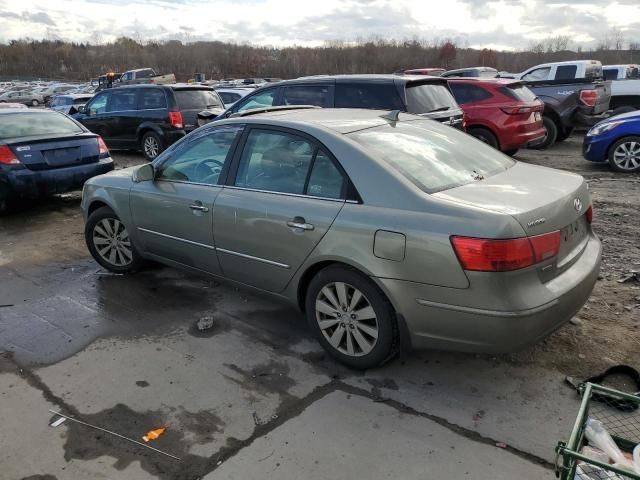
(62, 156)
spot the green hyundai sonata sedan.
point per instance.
(389, 230)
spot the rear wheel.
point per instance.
(484, 135)
(511, 152)
(151, 145)
(624, 155)
(550, 133)
(351, 317)
(34, 103)
(564, 134)
(109, 243)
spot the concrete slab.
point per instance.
(349, 436)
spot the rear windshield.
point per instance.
(197, 99)
(15, 125)
(520, 92)
(432, 156)
(427, 98)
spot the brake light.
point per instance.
(175, 119)
(589, 97)
(590, 214)
(488, 255)
(7, 157)
(102, 147)
(517, 110)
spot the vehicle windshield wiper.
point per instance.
(439, 109)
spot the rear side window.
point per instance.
(15, 125)
(379, 96)
(430, 157)
(325, 181)
(566, 72)
(306, 95)
(464, 93)
(197, 99)
(426, 98)
(122, 100)
(610, 73)
(521, 93)
(147, 73)
(151, 98)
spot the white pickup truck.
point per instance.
(145, 75)
(625, 87)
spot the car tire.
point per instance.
(511, 152)
(109, 242)
(624, 155)
(551, 133)
(484, 135)
(564, 134)
(151, 145)
(360, 343)
(34, 103)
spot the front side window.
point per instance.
(122, 101)
(98, 104)
(377, 96)
(260, 100)
(429, 157)
(202, 159)
(306, 95)
(275, 161)
(537, 74)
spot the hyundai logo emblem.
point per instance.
(577, 204)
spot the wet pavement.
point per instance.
(253, 397)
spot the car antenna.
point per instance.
(392, 116)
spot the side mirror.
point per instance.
(81, 109)
(145, 173)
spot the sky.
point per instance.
(499, 24)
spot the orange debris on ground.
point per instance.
(153, 434)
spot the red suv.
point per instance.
(503, 113)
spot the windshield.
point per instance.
(16, 125)
(197, 99)
(429, 97)
(432, 156)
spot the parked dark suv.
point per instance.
(147, 117)
(427, 96)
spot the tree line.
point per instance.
(28, 58)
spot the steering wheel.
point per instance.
(208, 170)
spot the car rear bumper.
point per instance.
(23, 182)
(441, 318)
(588, 120)
(517, 139)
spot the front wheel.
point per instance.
(151, 145)
(34, 103)
(624, 155)
(109, 243)
(351, 317)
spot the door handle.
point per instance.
(198, 206)
(300, 223)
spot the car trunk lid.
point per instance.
(193, 101)
(44, 153)
(540, 199)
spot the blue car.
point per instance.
(44, 152)
(615, 140)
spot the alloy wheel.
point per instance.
(346, 319)
(627, 155)
(111, 239)
(151, 147)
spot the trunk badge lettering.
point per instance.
(23, 149)
(577, 204)
(536, 222)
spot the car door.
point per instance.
(122, 118)
(96, 116)
(283, 193)
(173, 213)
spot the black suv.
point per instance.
(147, 117)
(426, 96)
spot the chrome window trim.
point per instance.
(339, 200)
(251, 257)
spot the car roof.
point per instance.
(567, 62)
(491, 81)
(364, 78)
(5, 111)
(340, 120)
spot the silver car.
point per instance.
(389, 230)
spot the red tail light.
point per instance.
(517, 110)
(589, 97)
(486, 255)
(590, 214)
(102, 146)
(175, 119)
(7, 157)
